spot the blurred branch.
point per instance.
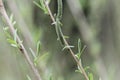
(88, 36)
(21, 23)
(21, 48)
(80, 19)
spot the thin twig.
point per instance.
(90, 37)
(66, 43)
(21, 48)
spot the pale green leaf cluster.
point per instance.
(37, 56)
(78, 55)
(12, 19)
(42, 6)
(80, 49)
(10, 39)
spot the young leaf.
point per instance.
(15, 35)
(35, 61)
(38, 47)
(28, 77)
(33, 53)
(83, 49)
(57, 29)
(38, 5)
(58, 18)
(66, 36)
(50, 78)
(6, 32)
(66, 47)
(78, 56)
(79, 46)
(40, 57)
(80, 49)
(79, 69)
(41, 5)
(14, 22)
(11, 41)
(60, 34)
(14, 45)
(86, 68)
(60, 7)
(90, 75)
(11, 18)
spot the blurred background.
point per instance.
(95, 22)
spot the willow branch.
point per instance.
(21, 48)
(88, 35)
(66, 44)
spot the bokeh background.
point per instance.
(95, 22)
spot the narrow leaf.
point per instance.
(83, 49)
(66, 47)
(11, 41)
(80, 49)
(43, 6)
(11, 18)
(33, 53)
(66, 36)
(79, 71)
(28, 77)
(39, 58)
(90, 75)
(57, 29)
(14, 22)
(15, 35)
(14, 45)
(60, 7)
(38, 5)
(79, 46)
(78, 56)
(38, 47)
(6, 32)
(61, 33)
